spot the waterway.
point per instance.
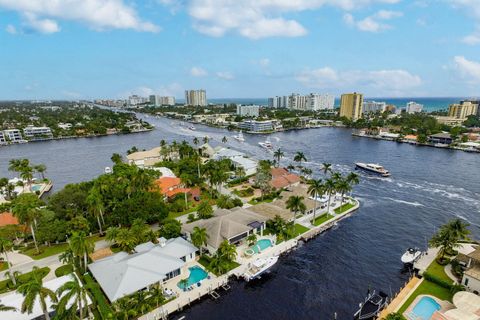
(331, 273)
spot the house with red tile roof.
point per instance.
(7, 219)
(171, 186)
(282, 178)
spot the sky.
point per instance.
(84, 49)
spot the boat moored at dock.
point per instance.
(371, 307)
(411, 255)
(259, 267)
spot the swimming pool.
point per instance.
(36, 187)
(261, 245)
(197, 274)
(425, 308)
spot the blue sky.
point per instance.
(238, 48)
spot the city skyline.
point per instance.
(115, 48)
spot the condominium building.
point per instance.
(413, 107)
(136, 100)
(278, 102)
(197, 98)
(3, 140)
(13, 135)
(34, 133)
(297, 102)
(317, 101)
(256, 126)
(462, 110)
(373, 107)
(351, 106)
(162, 100)
(248, 111)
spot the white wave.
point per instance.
(415, 204)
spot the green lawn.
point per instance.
(254, 202)
(7, 285)
(321, 219)
(439, 271)
(299, 229)
(429, 288)
(205, 262)
(45, 251)
(344, 207)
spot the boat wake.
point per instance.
(415, 204)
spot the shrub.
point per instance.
(437, 280)
(63, 270)
(442, 262)
(103, 307)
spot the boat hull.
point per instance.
(371, 171)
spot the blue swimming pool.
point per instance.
(425, 308)
(261, 245)
(36, 187)
(197, 274)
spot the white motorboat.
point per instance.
(192, 128)
(108, 170)
(239, 137)
(266, 144)
(411, 255)
(372, 168)
(259, 267)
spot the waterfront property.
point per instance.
(440, 138)
(471, 275)
(232, 225)
(15, 299)
(257, 126)
(171, 186)
(123, 274)
(144, 159)
(282, 178)
(37, 133)
(351, 105)
(238, 158)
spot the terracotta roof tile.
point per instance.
(7, 218)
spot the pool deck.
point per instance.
(444, 306)
(426, 260)
(401, 297)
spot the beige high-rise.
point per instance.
(351, 106)
(462, 110)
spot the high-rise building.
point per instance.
(162, 101)
(413, 107)
(136, 100)
(463, 110)
(317, 101)
(297, 102)
(248, 111)
(373, 107)
(351, 106)
(196, 98)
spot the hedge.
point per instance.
(7, 285)
(437, 280)
(63, 270)
(106, 311)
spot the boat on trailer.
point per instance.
(371, 307)
(259, 267)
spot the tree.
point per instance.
(116, 158)
(299, 157)
(227, 251)
(34, 289)
(6, 308)
(41, 168)
(81, 246)
(199, 238)
(343, 187)
(5, 247)
(73, 292)
(252, 239)
(330, 188)
(225, 201)
(25, 208)
(26, 174)
(316, 190)
(204, 210)
(205, 139)
(171, 228)
(395, 316)
(458, 229)
(278, 154)
(326, 168)
(96, 206)
(240, 172)
(295, 204)
(445, 240)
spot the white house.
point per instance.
(238, 158)
(123, 274)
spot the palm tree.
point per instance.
(224, 139)
(116, 158)
(204, 210)
(326, 168)
(240, 171)
(316, 190)
(295, 204)
(6, 308)
(41, 168)
(278, 154)
(458, 229)
(445, 240)
(227, 251)
(205, 140)
(25, 208)
(81, 246)
(95, 206)
(199, 238)
(26, 174)
(299, 157)
(196, 141)
(343, 187)
(252, 239)
(330, 187)
(6, 246)
(72, 292)
(112, 234)
(34, 289)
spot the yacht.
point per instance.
(239, 137)
(372, 168)
(259, 267)
(411, 255)
(108, 170)
(266, 144)
(371, 307)
(192, 128)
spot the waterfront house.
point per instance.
(282, 178)
(144, 159)
(256, 126)
(239, 159)
(123, 274)
(3, 139)
(440, 138)
(37, 133)
(171, 186)
(15, 299)
(13, 135)
(410, 138)
(471, 275)
(232, 225)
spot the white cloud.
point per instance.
(474, 38)
(173, 89)
(265, 62)
(97, 14)
(198, 72)
(373, 23)
(225, 75)
(468, 69)
(472, 8)
(256, 19)
(11, 29)
(380, 82)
